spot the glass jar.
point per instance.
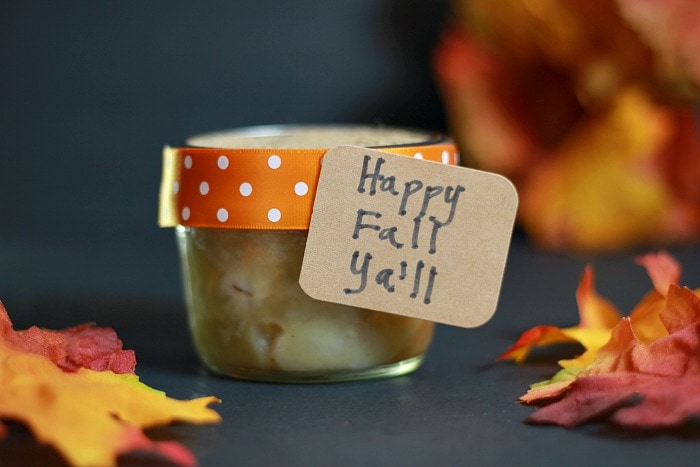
(248, 315)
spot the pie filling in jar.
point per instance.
(248, 316)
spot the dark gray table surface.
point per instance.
(459, 408)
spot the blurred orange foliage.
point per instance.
(589, 107)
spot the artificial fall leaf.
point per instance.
(485, 106)
(631, 382)
(635, 384)
(90, 417)
(598, 316)
(84, 346)
(605, 169)
(590, 108)
(670, 28)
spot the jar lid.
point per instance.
(265, 177)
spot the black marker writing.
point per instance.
(416, 280)
(385, 183)
(359, 225)
(410, 188)
(363, 271)
(384, 276)
(437, 225)
(429, 207)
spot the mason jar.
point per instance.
(240, 202)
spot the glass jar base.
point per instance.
(399, 368)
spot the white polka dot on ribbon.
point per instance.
(274, 215)
(246, 189)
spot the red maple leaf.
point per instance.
(83, 346)
(632, 383)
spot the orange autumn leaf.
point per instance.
(663, 270)
(604, 187)
(634, 384)
(598, 316)
(589, 107)
(647, 382)
(670, 28)
(90, 417)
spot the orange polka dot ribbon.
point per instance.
(254, 188)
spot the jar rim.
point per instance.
(262, 187)
(314, 136)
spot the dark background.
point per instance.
(90, 91)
